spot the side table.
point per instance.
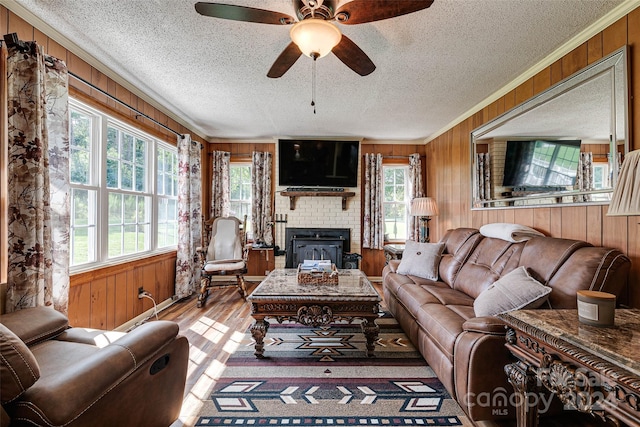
(591, 369)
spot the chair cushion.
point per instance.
(515, 290)
(19, 369)
(421, 259)
(224, 265)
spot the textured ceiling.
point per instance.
(210, 74)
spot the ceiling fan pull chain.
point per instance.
(313, 83)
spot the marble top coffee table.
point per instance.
(282, 298)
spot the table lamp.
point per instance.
(424, 208)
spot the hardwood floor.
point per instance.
(212, 331)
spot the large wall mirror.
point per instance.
(563, 146)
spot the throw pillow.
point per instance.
(421, 259)
(514, 291)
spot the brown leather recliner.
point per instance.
(53, 375)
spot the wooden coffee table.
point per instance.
(282, 298)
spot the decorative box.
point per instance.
(318, 277)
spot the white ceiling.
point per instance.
(210, 74)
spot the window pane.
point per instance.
(115, 209)
(80, 246)
(140, 175)
(127, 148)
(129, 243)
(80, 207)
(115, 240)
(172, 210)
(130, 210)
(168, 183)
(127, 176)
(79, 166)
(112, 143)
(140, 155)
(112, 174)
(80, 130)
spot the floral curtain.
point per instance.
(584, 177)
(415, 190)
(38, 179)
(261, 215)
(483, 176)
(220, 197)
(373, 224)
(189, 217)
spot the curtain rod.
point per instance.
(135, 110)
(13, 40)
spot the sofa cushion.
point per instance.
(515, 290)
(459, 244)
(421, 259)
(19, 369)
(491, 259)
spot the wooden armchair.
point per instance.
(225, 254)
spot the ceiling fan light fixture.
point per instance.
(315, 37)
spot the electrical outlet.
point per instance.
(140, 291)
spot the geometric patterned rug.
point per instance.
(322, 377)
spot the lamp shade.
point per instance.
(424, 206)
(626, 193)
(315, 36)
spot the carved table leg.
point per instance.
(258, 332)
(370, 330)
(524, 384)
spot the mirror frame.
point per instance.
(618, 62)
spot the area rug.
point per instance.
(322, 377)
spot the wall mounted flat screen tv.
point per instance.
(541, 163)
(318, 163)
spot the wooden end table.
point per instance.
(281, 297)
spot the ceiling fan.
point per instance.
(312, 34)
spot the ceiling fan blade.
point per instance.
(287, 58)
(243, 13)
(361, 11)
(353, 57)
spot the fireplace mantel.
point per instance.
(293, 194)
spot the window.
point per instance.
(83, 134)
(123, 189)
(396, 202)
(167, 190)
(128, 197)
(240, 192)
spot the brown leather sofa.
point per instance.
(466, 352)
(53, 375)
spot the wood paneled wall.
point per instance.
(448, 160)
(108, 297)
